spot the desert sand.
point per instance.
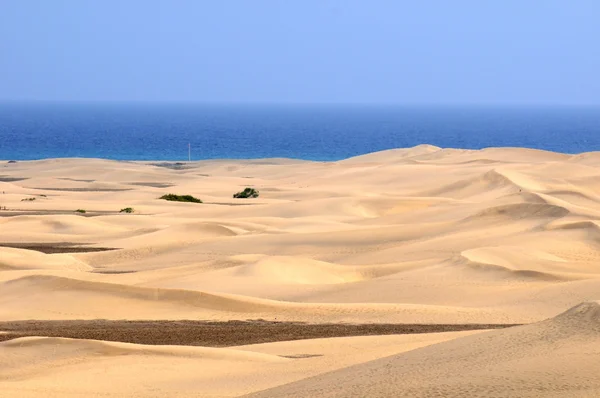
(421, 235)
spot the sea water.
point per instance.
(153, 131)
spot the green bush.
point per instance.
(246, 193)
(126, 210)
(180, 198)
(27, 199)
(80, 211)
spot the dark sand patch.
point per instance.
(173, 166)
(84, 189)
(74, 179)
(232, 204)
(12, 179)
(214, 334)
(301, 356)
(112, 271)
(152, 184)
(25, 212)
(56, 247)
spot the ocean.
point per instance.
(163, 131)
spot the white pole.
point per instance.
(189, 152)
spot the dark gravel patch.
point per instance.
(172, 166)
(74, 179)
(214, 334)
(58, 247)
(12, 179)
(84, 189)
(152, 184)
(25, 212)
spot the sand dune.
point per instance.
(554, 358)
(17, 259)
(392, 155)
(84, 366)
(415, 235)
(52, 297)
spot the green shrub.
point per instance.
(246, 193)
(80, 211)
(27, 199)
(180, 198)
(126, 210)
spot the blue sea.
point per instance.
(163, 131)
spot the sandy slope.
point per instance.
(554, 358)
(62, 367)
(417, 235)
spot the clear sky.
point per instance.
(302, 51)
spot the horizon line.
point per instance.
(315, 103)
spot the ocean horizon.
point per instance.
(155, 131)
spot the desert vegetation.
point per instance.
(246, 193)
(180, 198)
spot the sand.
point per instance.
(408, 236)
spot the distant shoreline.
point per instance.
(166, 162)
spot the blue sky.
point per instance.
(302, 51)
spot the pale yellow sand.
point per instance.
(34, 366)
(418, 235)
(554, 358)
